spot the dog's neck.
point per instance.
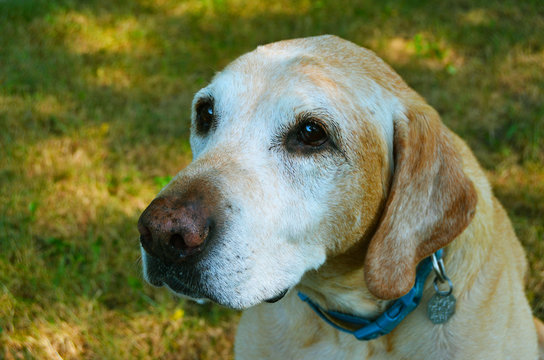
(339, 284)
(342, 288)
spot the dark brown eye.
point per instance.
(312, 134)
(204, 116)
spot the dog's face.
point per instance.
(292, 163)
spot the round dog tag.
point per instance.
(441, 308)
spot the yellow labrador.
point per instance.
(322, 190)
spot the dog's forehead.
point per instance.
(287, 68)
(265, 76)
(327, 55)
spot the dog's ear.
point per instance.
(431, 201)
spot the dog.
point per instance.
(323, 191)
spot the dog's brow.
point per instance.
(206, 97)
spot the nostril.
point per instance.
(177, 242)
(146, 237)
(187, 242)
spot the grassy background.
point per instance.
(94, 117)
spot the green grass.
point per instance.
(94, 108)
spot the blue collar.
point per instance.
(365, 329)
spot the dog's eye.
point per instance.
(204, 116)
(312, 134)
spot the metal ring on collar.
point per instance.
(438, 267)
(440, 292)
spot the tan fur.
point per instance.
(387, 228)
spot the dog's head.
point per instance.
(302, 149)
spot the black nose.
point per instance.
(173, 229)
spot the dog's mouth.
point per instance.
(277, 297)
(159, 274)
(184, 282)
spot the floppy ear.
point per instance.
(430, 203)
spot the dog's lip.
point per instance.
(174, 284)
(277, 297)
(155, 276)
(171, 281)
(155, 282)
(159, 274)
